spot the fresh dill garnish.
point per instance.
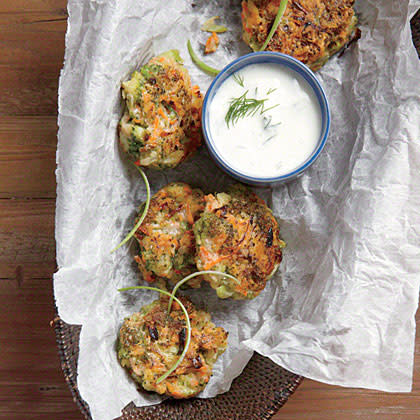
(270, 138)
(271, 90)
(239, 79)
(268, 109)
(267, 122)
(243, 107)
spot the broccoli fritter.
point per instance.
(151, 341)
(166, 238)
(161, 124)
(238, 235)
(310, 30)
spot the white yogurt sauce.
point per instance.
(280, 139)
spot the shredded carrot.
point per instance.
(194, 382)
(203, 369)
(211, 264)
(146, 96)
(176, 306)
(247, 29)
(162, 114)
(212, 43)
(245, 7)
(211, 259)
(211, 202)
(148, 277)
(190, 218)
(155, 131)
(174, 391)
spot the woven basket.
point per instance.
(257, 394)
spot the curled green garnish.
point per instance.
(143, 215)
(210, 25)
(189, 277)
(276, 23)
(203, 66)
(187, 318)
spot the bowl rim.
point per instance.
(293, 64)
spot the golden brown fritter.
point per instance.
(161, 125)
(310, 30)
(151, 341)
(166, 238)
(238, 235)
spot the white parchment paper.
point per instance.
(341, 309)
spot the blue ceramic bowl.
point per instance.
(296, 66)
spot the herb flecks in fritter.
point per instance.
(166, 237)
(161, 124)
(150, 343)
(238, 235)
(310, 30)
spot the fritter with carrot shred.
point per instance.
(166, 238)
(310, 30)
(238, 235)
(150, 342)
(161, 124)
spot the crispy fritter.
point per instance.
(161, 124)
(238, 234)
(166, 238)
(310, 30)
(151, 341)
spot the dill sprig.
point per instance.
(239, 79)
(268, 109)
(243, 107)
(269, 139)
(271, 90)
(268, 122)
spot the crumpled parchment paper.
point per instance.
(341, 309)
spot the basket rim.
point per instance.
(70, 375)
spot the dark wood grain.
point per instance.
(31, 382)
(27, 156)
(31, 56)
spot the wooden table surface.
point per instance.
(32, 385)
